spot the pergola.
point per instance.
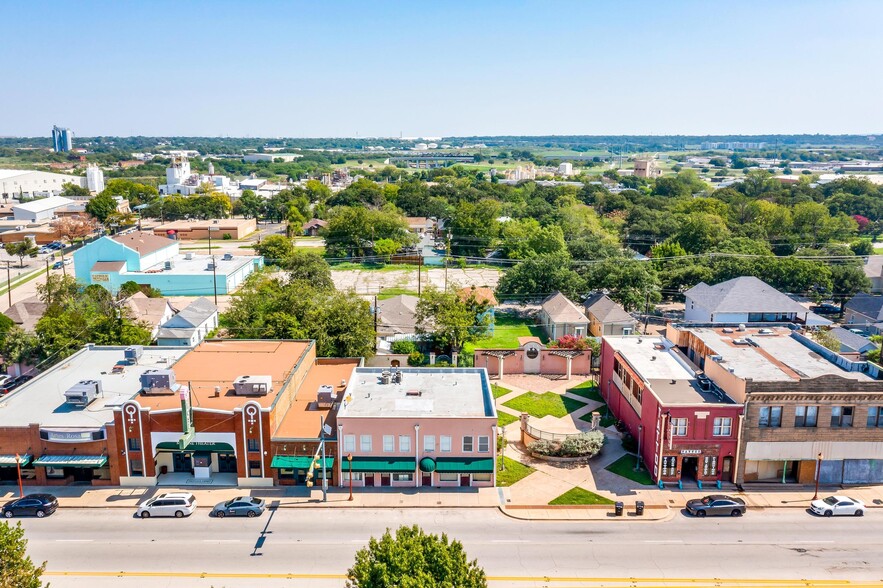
(568, 354)
(501, 354)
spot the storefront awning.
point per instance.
(461, 465)
(298, 462)
(196, 446)
(427, 464)
(381, 464)
(71, 461)
(9, 460)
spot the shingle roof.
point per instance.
(852, 341)
(874, 266)
(871, 306)
(143, 242)
(606, 310)
(398, 315)
(561, 310)
(742, 294)
(150, 310)
(193, 315)
(483, 294)
(26, 313)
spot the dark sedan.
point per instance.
(35, 505)
(241, 506)
(716, 504)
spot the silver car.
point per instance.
(241, 506)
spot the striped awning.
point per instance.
(71, 461)
(292, 462)
(9, 460)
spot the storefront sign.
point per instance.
(71, 436)
(100, 278)
(691, 451)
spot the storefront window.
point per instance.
(409, 477)
(448, 477)
(136, 467)
(669, 465)
(481, 477)
(709, 465)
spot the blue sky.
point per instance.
(310, 69)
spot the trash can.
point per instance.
(639, 508)
(617, 509)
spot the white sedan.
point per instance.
(838, 505)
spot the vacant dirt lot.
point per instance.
(373, 281)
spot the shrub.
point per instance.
(582, 445)
(227, 237)
(406, 347)
(629, 443)
(415, 359)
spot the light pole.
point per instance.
(214, 264)
(349, 459)
(9, 283)
(818, 474)
(21, 492)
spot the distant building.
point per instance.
(95, 179)
(26, 313)
(565, 169)
(42, 209)
(646, 168)
(62, 139)
(183, 230)
(312, 227)
(180, 179)
(22, 183)
(745, 299)
(606, 317)
(397, 316)
(189, 327)
(559, 317)
(270, 157)
(874, 271)
(865, 312)
(151, 312)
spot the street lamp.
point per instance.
(818, 474)
(349, 459)
(21, 492)
(214, 264)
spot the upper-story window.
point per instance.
(875, 416)
(404, 443)
(484, 444)
(770, 416)
(467, 444)
(389, 443)
(723, 427)
(806, 416)
(841, 416)
(679, 427)
(349, 443)
(365, 443)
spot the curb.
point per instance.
(631, 518)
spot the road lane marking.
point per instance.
(510, 541)
(663, 541)
(74, 540)
(220, 540)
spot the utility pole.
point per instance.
(419, 276)
(447, 255)
(376, 312)
(647, 312)
(9, 283)
(215, 278)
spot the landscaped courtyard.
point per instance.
(625, 467)
(507, 329)
(542, 405)
(512, 472)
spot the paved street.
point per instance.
(314, 547)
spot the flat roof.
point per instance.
(767, 354)
(423, 392)
(203, 224)
(199, 264)
(302, 421)
(41, 400)
(220, 362)
(660, 364)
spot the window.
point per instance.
(404, 443)
(429, 443)
(349, 443)
(253, 445)
(679, 427)
(481, 477)
(770, 416)
(445, 442)
(669, 465)
(134, 444)
(723, 427)
(365, 443)
(254, 468)
(875, 416)
(389, 443)
(709, 465)
(357, 476)
(484, 444)
(448, 477)
(409, 477)
(806, 416)
(467, 444)
(841, 416)
(136, 467)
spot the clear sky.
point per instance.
(422, 68)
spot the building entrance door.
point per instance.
(689, 467)
(182, 462)
(227, 463)
(427, 480)
(464, 479)
(727, 468)
(369, 480)
(385, 479)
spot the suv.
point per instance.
(38, 505)
(173, 504)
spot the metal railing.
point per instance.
(538, 434)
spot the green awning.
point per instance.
(427, 464)
(196, 446)
(9, 460)
(298, 462)
(381, 464)
(71, 461)
(465, 465)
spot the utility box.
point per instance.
(617, 509)
(83, 392)
(639, 508)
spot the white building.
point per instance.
(18, 183)
(94, 179)
(180, 180)
(256, 157)
(42, 209)
(565, 169)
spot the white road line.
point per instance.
(220, 540)
(510, 541)
(663, 541)
(74, 540)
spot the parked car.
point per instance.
(61, 262)
(45, 249)
(35, 505)
(826, 308)
(13, 383)
(173, 504)
(241, 506)
(4, 378)
(838, 505)
(716, 504)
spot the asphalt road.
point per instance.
(314, 547)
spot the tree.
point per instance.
(847, 280)
(631, 283)
(414, 559)
(275, 249)
(540, 276)
(385, 248)
(249, 205)
(101, 207)
(71, 189)
(20, 249)
(19, 346)
(308, 266)
(17, 570)
(70, 228)
(352, 231)
(452, 321)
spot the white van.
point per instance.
(173, 504)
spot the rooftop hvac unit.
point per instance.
(133, 353)
(397, 377)
(228, 256)
(253, 385)
(168, 265)
(83, 392)
(326, 396)
(704, 382)
(740, 341)
(188, 256)
(385, 377)
(211, 266)
(158, 382)
(741, 327)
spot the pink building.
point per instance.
(532, 357)
(414, 427)
(686, 427)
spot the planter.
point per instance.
(552, 459)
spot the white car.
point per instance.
(173, 504)
(838, 505)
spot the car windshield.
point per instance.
(254, 500)
(230, 502)
(706, 500)
(831, 500)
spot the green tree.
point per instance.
(20, 249)
(351, 231)
(450, 320)
(249, 205)
(101, 207)
(308, 266)
(276, 249)
(414, 559)
(847, 280)
(631, 283)
(17, 570)
(342, 325)
(19, 346)
(474, 227)
(71, 189)
(540, 276)
(385, 248)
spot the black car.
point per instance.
(716, 504)
(36, 505)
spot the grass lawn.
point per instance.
(391, 292)
(499, 390)
(580, 496)
(625, 467)
(514, 471)
(505, 419)
(587, 389)
(507, 330)
(607, 419)
(540, 405)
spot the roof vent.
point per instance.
(228, 256)
(740, 341)
(168, 265)
(253, 385)
(414, 393)
(741, 327)
(385, 377)
(727, 330)
(188, 256)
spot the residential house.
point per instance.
(312, 227)
(151, 312)
(189, 327)
(559, 317)
(745, 299)
(483, 295)
(606, 317)
(873, 268)
(852, 344)
(864, 311)
(397, 316)
(26, 313)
